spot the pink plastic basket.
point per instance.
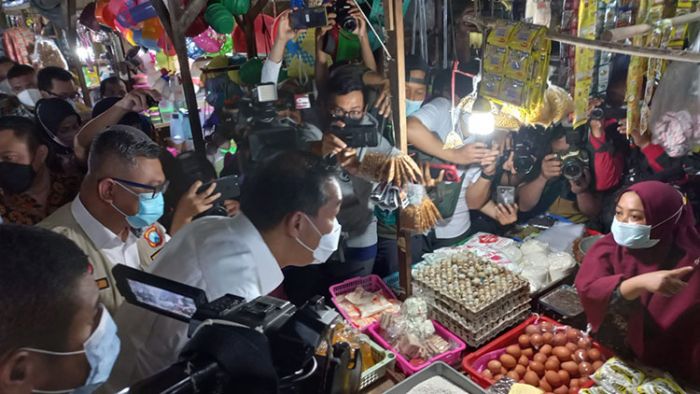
(451, 357)
(371, 283)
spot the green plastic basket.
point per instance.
(379, 369)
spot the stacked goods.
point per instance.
(473, 297)
(540, 353)
(617, 376)
(362, 300)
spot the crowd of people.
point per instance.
(305, 218)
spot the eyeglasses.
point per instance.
(70, 96)
(155, 190)
(340, 113)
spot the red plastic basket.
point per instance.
(371, 283)
(451, 357)
(474, 362)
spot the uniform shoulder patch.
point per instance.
(154, 237)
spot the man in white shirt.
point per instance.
(288, 218)
(113, 218)
(475, 191)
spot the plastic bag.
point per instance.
(675, 109)
(46, 53)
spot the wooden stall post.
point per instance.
(175, 21)
(73, 61)
(393, 14)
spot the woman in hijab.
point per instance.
(59, 123)
(649, 264)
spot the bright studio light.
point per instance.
(481, 121)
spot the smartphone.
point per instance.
(541, 222)
(228, 186)
(306, 18)
(505, 195)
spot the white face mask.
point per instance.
(29, 97)
(326, 245)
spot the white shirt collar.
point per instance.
(101, 236)
(269, 272)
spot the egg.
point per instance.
(594, 354)
(520, 369)
(537, 367)
(574, 383)
(546, 349)
(548, 336)
(487, 374)
(546, 326)
(597, 364)
(553, 378)
(524, 341)
(571, 346)
(508, 361)
(580, 355)
(573, 390)
(523, 360)
(562, 353)
(498, 377)
(532, 329)
(513, 375)
(531, 378)
(559, 339)
(494, 366)
(552, 364)
(514, 350)
(528, 352)
(536, 340)
(584, 343)
(561, 390)
(585, 369)
(503, 371)
(572, 334)
(544, 385)
(540, 358)
(570, 367)
(564, 376)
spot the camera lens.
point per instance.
(349, 23)
(523, 164)
(572, 169)
(597, 114)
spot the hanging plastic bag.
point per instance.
(675, 108)
(46, 53)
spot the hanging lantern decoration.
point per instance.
(219, 18)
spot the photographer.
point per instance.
(288, 218)
(551, 191)
(55, 337)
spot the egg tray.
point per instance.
(472, 339)
(486, 321)
(520, 289)
(517, 296)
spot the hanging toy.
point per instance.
(193, 51)
(219, 18)
(210, 41)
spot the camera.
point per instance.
(573, 163)
(597, 114)
(523, 157)
(358, 133)
(343, 17)
(215, 329)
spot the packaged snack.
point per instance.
(660, 386)
(618, 377)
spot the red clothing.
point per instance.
(662, 331)
(607, 163)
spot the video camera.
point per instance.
(358, 133)
(292, 333)
(575, 159)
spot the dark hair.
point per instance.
(133, 119)
(415, 62)
(48, 74)
(346, 79)
(108, 81)
(288, 182)
(38, 277)
(20, 70)
(49, 113)
(463, 84)
(23, 128)
(5, 59)
(123, 144)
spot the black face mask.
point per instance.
(16, 178)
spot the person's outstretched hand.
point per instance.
(192, 204)
(137, 100)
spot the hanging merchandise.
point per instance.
(538, 12)
(585, 61)
(51, 10)
(46, 53)
(227, 48)
(17, 41)
(210, 41)
(675, 111)
(376, 18)
(606, 20)
(219, 18)
(193, 50)
(516, 60)
(262, 29)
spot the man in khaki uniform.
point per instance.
(113, 219)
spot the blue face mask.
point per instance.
(101, 351)
(150, 209)
(637, 236)
(412, 106)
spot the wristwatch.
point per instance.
(488, 177)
